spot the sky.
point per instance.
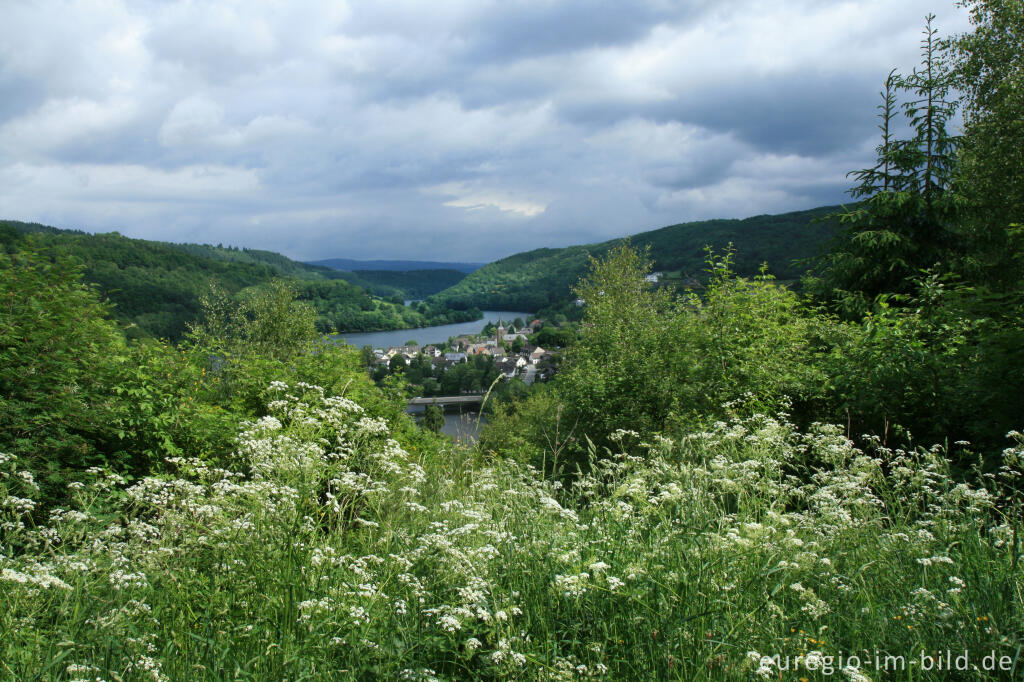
(452, 130)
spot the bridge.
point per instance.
(443, 400)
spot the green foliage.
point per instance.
(59, 353)
(908, 219)
(552, 337)
(342, 545)
(433, 418)
(165, 408)
(989, 70)
(409, 284)
(272, 323)
(155, 287)
(270, 335)
(927, 363)
(928, 266)
(396, 364)
(533, 429)
(270, 492)
(544, 277)
(74, 395)
(645, 359)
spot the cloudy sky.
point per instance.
(437, 129)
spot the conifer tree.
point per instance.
(906, 222)
(433, 418)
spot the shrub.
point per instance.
(59, 353)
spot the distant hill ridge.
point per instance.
(155, 287)
(352, 265)
(536, 279)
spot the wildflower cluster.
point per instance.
(329, 549)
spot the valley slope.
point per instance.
(155, 287)
(536, 279)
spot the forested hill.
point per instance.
(352, 265)
(536, 279)
(414, 284)
(155, 287)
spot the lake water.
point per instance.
(428, 335)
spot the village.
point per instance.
(469, 363)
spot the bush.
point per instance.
(645, 358)
(59, 355)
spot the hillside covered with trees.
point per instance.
(156, 287)
(410, 284)
(537, 279)
(733, 483)
(353, 265)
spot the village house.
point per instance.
(408, 352)
(479, 349)
(460, 343)
(508, 367)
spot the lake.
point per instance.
(428, 335)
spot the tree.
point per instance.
(255, 341)
(59, 354)
(433, 418)
(431, 386)
(989, 71)
(419, 368)
(616, 377)
(397, 363)
(907, 221)
(645, 360)
(274, 323)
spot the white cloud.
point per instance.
(98, 183)
(305, 127)
(475, 199)
(192, 121)
(61, 121)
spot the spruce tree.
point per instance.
(906, 221)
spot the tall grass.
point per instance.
(329, 551)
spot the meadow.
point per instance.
(330, 550)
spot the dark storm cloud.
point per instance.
(460, 130)
(529, 30)
(803, 113)
(21, 95)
